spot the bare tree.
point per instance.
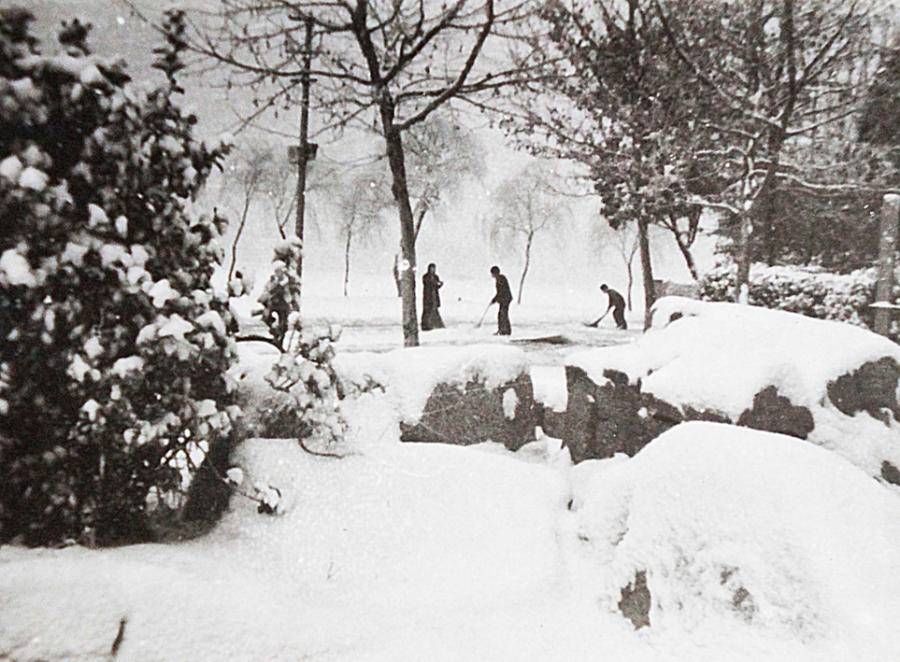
(361, 205)
(378, 64)
(627, 243)
(443, 156)
(323, 183)
(526, 205)
(247, 177)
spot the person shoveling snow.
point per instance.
(616, 304)
(503, 298)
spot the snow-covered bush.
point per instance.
(306, 375)
(281, 296)
(304, 370)
(114, 347)
(808, 291)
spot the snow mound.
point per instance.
(369, 549)
(733, 525)
(718, 356)
(398, 525)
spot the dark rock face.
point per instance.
(552, 422)
(872, 389)
(890, 473)
(634, 602)
(617, 417)
(474, 414)
(772, 412)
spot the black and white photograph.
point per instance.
(450, 330)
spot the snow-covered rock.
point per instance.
(832, 383)
(458, 395)
(451, 394)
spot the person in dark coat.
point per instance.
(503, 298)
(431, 300)
(616, 304)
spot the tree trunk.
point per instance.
(525, 268)
(646, 269)
(400, 190)
(421, 210)
(686, 253)
(743, 259)
(347, 260)
(887, 249)
(630, 282)
(304, 145)
(776, 139)
(396, 273)
(240, 231)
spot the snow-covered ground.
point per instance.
(372, 323)
(754, 546)
(421, 551)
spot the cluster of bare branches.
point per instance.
(527, 205)
(674, 106)
(383, 65)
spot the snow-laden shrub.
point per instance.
(808, 291)
(281, 295)
(114, 347)
(304, 372)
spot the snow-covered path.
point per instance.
(547, 343)
(545, 332)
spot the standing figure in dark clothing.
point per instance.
(616, 304)
(503, 298)
(431, 300)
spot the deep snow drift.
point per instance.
(734, 524)
(425, 551)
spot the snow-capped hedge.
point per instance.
(114, 346)
(808, 291)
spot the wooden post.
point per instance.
(890, 215)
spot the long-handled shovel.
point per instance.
(597, 323)
(483, 315)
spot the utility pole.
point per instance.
(306, 151)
